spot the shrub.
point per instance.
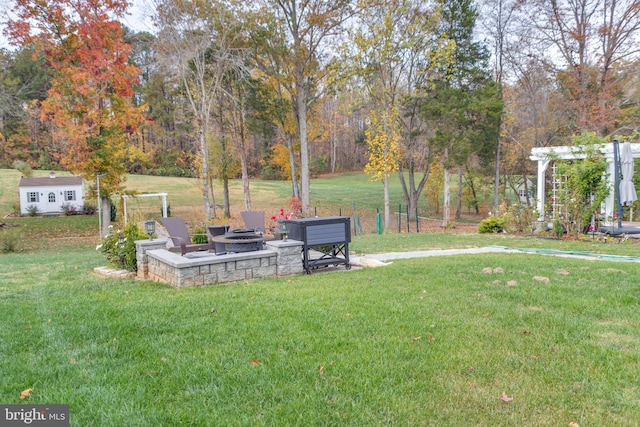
(68, 209)
(518, 218)
(120, 248)
(199, 236)
(32, 210)
(492, 224)
(558, 229)
(89, 209)
(10, 241)
(23, 167)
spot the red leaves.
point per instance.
(505, 398)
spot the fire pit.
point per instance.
(240, 240)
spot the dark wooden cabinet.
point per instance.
(325, 240)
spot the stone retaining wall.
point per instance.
(280, 258)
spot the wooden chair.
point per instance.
(180, 237)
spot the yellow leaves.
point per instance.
(383, 141)
(26, 393)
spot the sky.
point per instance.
(138, 19)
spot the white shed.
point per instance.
(50, 195)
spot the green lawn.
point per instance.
(432, 341)
(420, 342)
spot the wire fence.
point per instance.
(365, 219)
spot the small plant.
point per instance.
(68, 209)
(89, 209)
(199, 236)
(10, 241)
(558, 229)
(492, 224)
(32, 210)
(276, 226)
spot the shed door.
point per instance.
(52, 202)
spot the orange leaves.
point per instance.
(26, 393)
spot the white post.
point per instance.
(164, 205)
(542, 167)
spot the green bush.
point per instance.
(200, 236)
(492, 224)
(10, 240)
(120, 248)
(32, 210)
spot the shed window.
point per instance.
(52, 197)
(69, 195)
(32, 197)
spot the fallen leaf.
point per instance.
(505, 398)
(416, 339)
(213, 310)
(348, 315)
(73, 361)
(255, 362)
(574, 425)
(321, 369)
(431, 338)
(487, 314)
(26, 393)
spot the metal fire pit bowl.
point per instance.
(240, 241)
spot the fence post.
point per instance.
(378, 222)
(399, 218)
(408, 222)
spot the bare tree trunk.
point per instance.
(246, 190)
(295, 188)
(446, 208)
(387, 210)
(459, 201)
(301, 101)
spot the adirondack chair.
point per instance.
(180, 237)
(253, 220)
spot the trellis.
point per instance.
(163, 196)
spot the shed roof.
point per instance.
(50, 181)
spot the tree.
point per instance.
(383, 137)
(89, 103)
(463, 106)
(197, 43)
(394, 53)
(590, 38)
(308, 24)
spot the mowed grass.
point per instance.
(431, 341)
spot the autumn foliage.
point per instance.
(89, 103)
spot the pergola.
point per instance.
(161, 195)
(545, 155)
